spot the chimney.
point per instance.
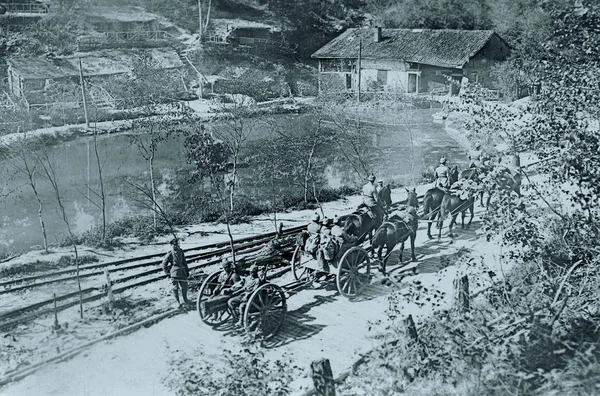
(377, 34)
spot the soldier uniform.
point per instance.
(250, 283)
(175, 266)
(371, 197)
(442, 174)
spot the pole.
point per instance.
(88, 171)
(359, 66)
(87, 120)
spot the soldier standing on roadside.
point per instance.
(175, 266)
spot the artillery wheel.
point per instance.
(300, 271)
(206, 291)
(265, 311)
(354, 271)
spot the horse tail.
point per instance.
(380, 237)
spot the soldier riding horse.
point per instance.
(364, 222)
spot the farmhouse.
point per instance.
(409, 60)
(29, 77)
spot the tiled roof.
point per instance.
(105, 62)
(444, 47)
(41, 68)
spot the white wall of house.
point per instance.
(390, 74)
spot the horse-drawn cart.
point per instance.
(264, 311)
(351, 268)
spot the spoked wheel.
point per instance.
(265, 311)
(206, 292)
(354, 272)
(299, 259)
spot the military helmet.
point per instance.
(173, 241)
(443, 160)
(372, 177)
(316, 217)
(226, 264)
(327, 221)
(254, 269)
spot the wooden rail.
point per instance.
(26, 8)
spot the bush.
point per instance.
(245, 373)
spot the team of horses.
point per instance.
(401, 223)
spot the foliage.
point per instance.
(432, 14)
(140, 227)
(245, 373)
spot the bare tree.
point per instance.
(99, 195)
(52, 179)
(21, 157)
(144, 197)
(147, 142)
(234, 133)
(211, 158)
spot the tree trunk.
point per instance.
(102, 195)
(42, 225)
(232, 187)
(309, 164)
(208, 15)
(200, 19)
(153, 189)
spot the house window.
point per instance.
(348, 81)
(382, 78)
(413, 83)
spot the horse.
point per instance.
(504, 180)
(453, 204)
(400, 226)
(360, 224)
(385, 194)
(472, 173)
(433, 200)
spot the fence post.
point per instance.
(322, 377)
(56, 325)
(108, 305)
(461, 294)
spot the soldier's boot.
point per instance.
(184, 295)
(176, 294)
(240, 321)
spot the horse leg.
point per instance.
(452, 222)
(429, 228)
(462, 218)
(472, 212)
(440, 226)
(401, 252)
(413, 236)
(382, 262)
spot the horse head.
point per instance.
(453, 174)
(412, 199)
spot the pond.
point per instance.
(404, 150)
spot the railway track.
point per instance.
(31, 311)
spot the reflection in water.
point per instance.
(405, 150)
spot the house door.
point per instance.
(413, 83)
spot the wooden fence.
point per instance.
(27, 8)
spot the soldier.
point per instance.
(228, 277)
(243, 290)
(314, 227)
(379, 186)
(175, 266)
(442, 174)
(341, 237)
(371, 198)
